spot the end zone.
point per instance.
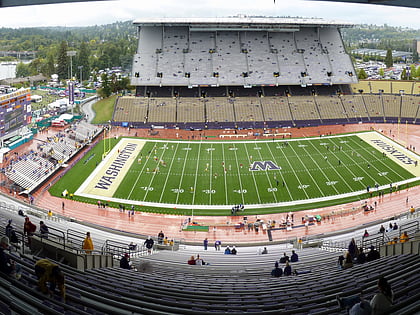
(108, 175)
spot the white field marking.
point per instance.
(367, 137)
(320, 168)
(139, 176)
(307, 171)
(281, 173)
(211, 167)
(268, 179)
(253, 177)
(224, 174)
(240, 177)
(169, 172)
(196, 172)
(335, 169)
(183, 171)
(88, 186)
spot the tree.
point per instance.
(404, 74)
(63, 61)
(22, 70)
(389, 62)
(362, 75)
(382, 72)
(105, 91)
(83, 62)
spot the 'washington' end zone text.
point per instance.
(394, 152)
(114, 169)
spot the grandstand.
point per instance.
(239, 51)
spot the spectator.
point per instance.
(149, 244)
(206, 243)
(340, 261)
(284, 259)
(125, 262)
(28, 229)
(404, 237)
(7, 265)
(361, 258)
(199, 261)
(165, 241)
(382, 229)
(191, 261)
(48, 272)
(227, 251)
(287, 269)
(390, 227)
(380, 304)
(87, 244)
(373, 254)
(264, 251)
(233, 251)
(276, 272)
(348, 262)
(412, 210)
(160, 237)
(395, 227)
(43, 229)
(366, 234)
(393, 241)
(11, 233)
(132, 246)
(352, 248)
(294, 257)
(217, 245)
(382, 301)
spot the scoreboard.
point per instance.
(15, 108)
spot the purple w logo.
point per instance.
(263, 166)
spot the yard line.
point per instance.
(155, 172)
(211, 169)
(169, 172)
(281, 174)
(182, 174)
(224, 173)
(376, 160)
(239, 174)
(322, 171)
(196, 173)
(307, 171)
(268, 178)
(346, 165)
(253, 176)
(139, 176)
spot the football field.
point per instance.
(257, 174)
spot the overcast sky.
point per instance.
(104, 12)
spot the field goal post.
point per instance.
(107, 141)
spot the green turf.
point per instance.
(197, 174)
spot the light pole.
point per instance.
(80, 68)
(71, 53)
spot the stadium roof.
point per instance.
(243, 22)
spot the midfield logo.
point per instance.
(264, 166)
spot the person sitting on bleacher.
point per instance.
(294, 257)
(287, 269)
(227, 251)
(276, 272)
(7, 265)
(361, 258)
(11, 233)
(47, 271)
(125, 262)
(284, 259)
(348, 262)
(233, 251)
(382, 301)
(404, 237)
(373, 254)
(43, 229)
(191, 261)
